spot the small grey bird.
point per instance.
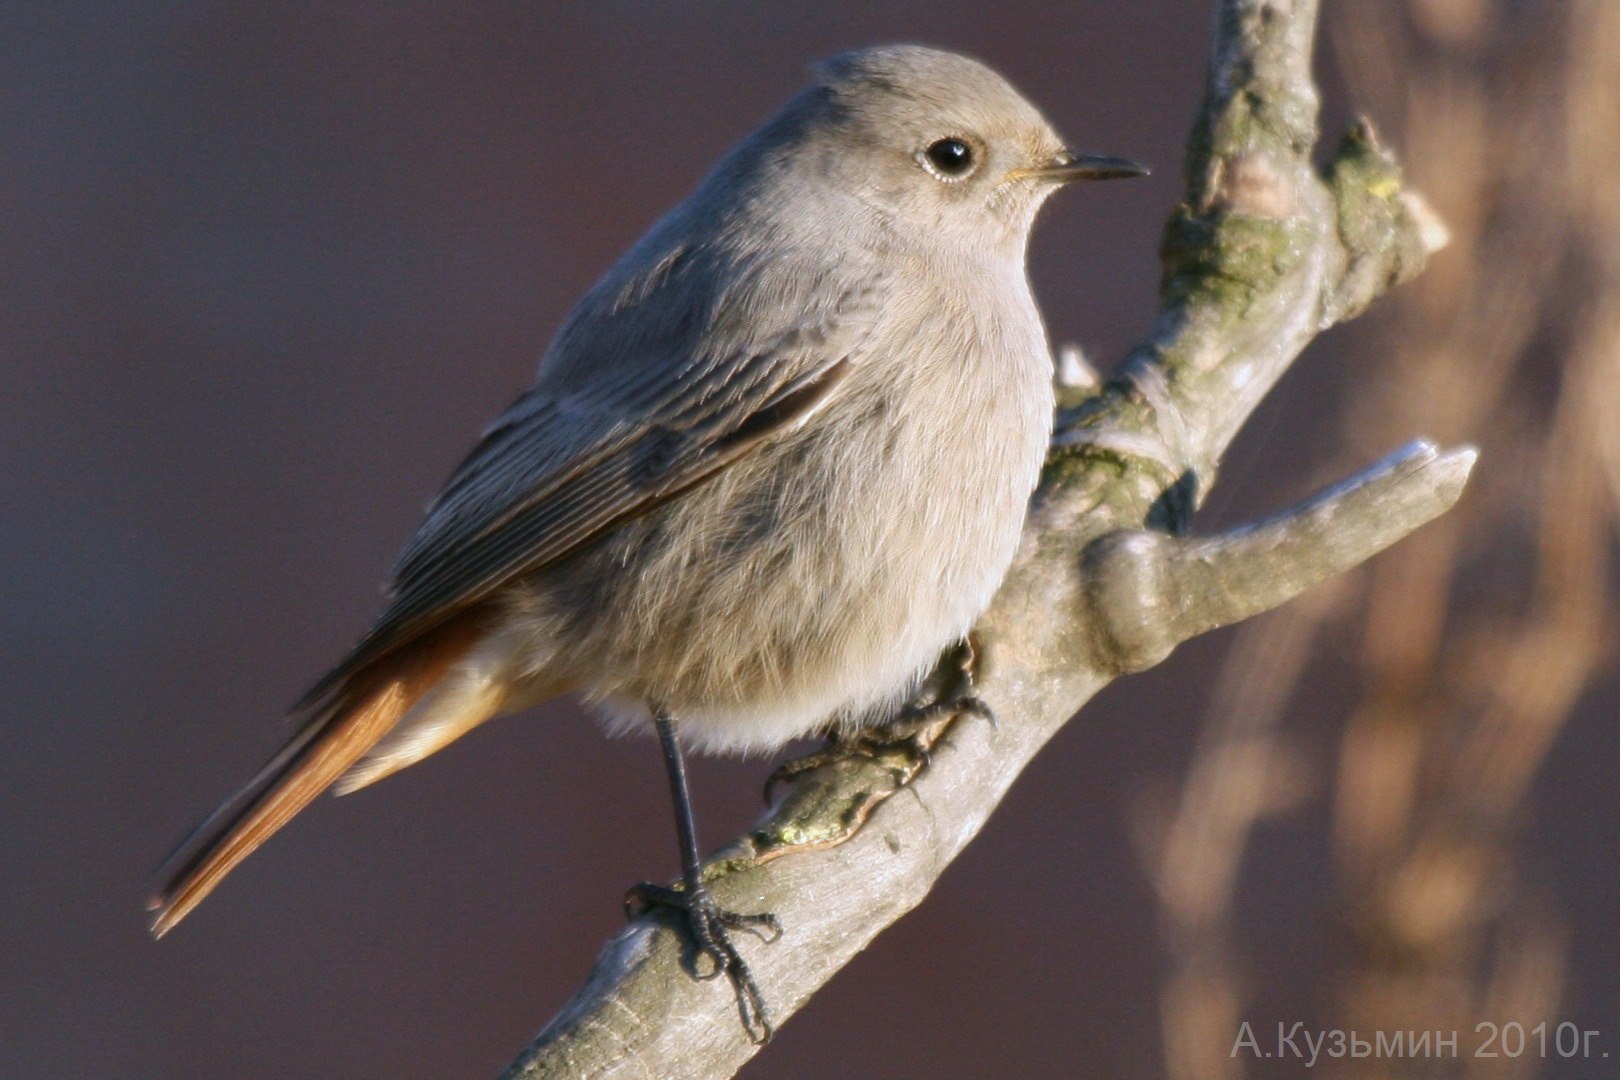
(773, 464)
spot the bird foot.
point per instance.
(956, 695)
(904, 743)
(710, 927)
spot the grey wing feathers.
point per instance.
(601, 439)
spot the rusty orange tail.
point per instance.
(338, 734)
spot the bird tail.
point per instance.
(355, 717)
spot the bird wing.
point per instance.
(660, 378)
(656, 382)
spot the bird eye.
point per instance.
(949, 159)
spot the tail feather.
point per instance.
(355, 719)
(454, 707)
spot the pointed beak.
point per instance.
(1069, 167)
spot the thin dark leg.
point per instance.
(708, 922)
(685, 825)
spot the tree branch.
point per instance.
(1265, 252)
(1149, 590)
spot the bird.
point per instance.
(772, 465)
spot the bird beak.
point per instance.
(1069, 167)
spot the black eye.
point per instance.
(950, 158)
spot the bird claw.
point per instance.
(921, 716)
(710, 927)
(912, 731)
(794, 768)
(958, 696)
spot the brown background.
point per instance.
(266, 271)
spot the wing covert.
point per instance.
(591, 446)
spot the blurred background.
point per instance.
(267, 271)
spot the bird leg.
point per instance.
(710, 925)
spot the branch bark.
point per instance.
(1266, 251)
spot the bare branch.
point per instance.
(1149, 591)
(1265, 252)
